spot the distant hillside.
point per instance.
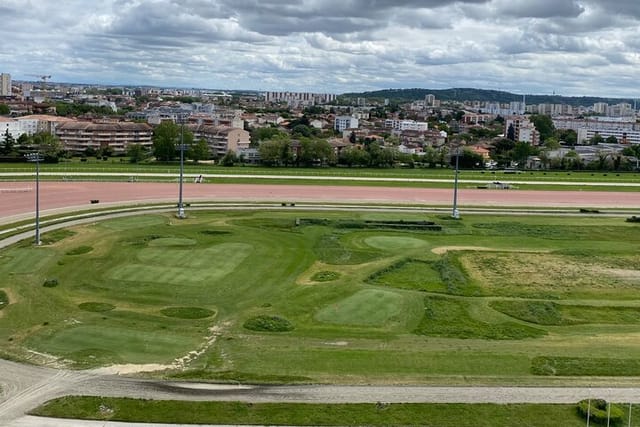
(469, 94)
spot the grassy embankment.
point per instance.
(440, 415)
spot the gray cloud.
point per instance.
(328, 45)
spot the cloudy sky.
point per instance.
(570, 47)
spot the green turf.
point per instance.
(470, 303)
(371, 414)
(369, 307)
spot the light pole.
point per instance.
(455, 214)
(37, 158)
(181, 147)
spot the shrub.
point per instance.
(633, 219)
(264, 323)
(4, 300)
(187, 312)
(325, 276)
(50, 283)
(596, 409)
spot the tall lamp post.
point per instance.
(455, 214)
(181, 147)
(37, 158)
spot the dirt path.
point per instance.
(78, 195)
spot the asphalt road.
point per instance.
(24, 387)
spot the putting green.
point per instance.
(369, 307)
(395, 242)
(183, 267)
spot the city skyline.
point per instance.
(566, 47)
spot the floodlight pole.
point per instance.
(181, 214)
(455, 214)
(36, 157)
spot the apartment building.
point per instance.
(5, 84)
(342, 123)
(222, 139)
(524, 130)
(297, 99)
(77, 136)
(406, 125)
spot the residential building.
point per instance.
(404, 125)
(343, 123)
(524, 130)
(300, 99)
(222, 139)
(77, 136)
(5, 84)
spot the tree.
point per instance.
(198, 151)
(315, 150)
(270, 151)
(8, 141)
(4, 110)
(136, 153)
(611, 140)
(544, 125)
(166, 138)
(229, 159)
(48, 145)
(596, 139)
(511, 133)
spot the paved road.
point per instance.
(25, 387)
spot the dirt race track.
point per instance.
(17, 198)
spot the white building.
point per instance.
(403, 125)
(343, 123)
(524, 130)
(5, 84)
(295, 99)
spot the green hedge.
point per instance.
(596, 410)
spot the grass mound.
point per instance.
(325, 276)
(187, 312)
(409, 274)
(4, 299)
(554, 314)
(584, 366)
(539, 312)
(92, 357)
(331, 251)
(80, 250)
(55, 236)
(96, 307)
(242, 377)
(264, 323)
(450, 318)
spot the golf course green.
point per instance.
(331, 297)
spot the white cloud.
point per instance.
(586, 47)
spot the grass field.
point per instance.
(435, 415)
(484, 300)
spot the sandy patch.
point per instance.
(621, 273)
(441, 250)
(131, 368)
